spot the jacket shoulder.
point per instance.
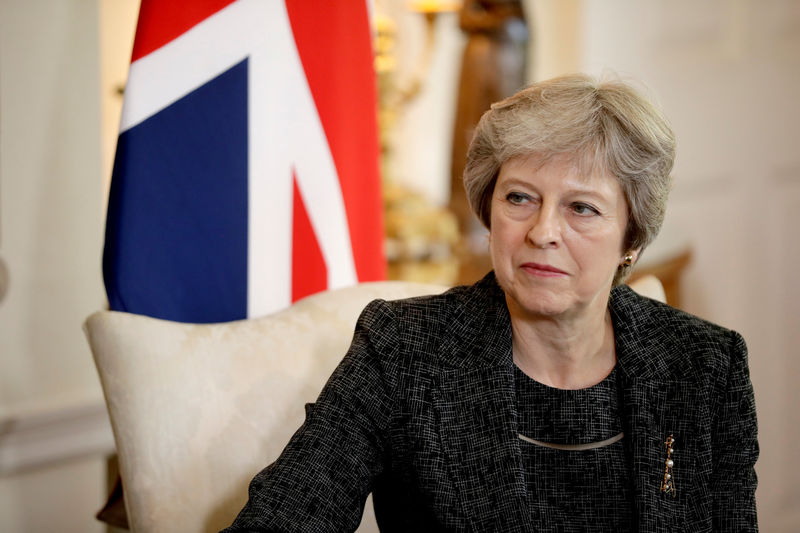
(447, 329)
(685, 342)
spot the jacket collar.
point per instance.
(478, 327)
(645, 348)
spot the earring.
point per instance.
(628, 261)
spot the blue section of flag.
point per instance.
(176, 231)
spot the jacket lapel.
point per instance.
(659, 399)
(478, 431)
(649, 421)
(474, 399)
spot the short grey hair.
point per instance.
(603, 125)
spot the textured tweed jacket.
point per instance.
(422, 413)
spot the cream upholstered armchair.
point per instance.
(197, 410)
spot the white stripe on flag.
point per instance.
(293, 135)
(167, 74)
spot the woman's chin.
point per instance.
(540, 304)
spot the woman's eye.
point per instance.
(584, 209)
(517, 198)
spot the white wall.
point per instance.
(51, 222)
(51, 198)
(63, 498)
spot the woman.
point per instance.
(548, 396)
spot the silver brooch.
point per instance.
(668, 485)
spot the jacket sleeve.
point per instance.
(324, 475)
(735, 448)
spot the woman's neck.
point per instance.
(572, 353)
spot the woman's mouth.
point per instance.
(542, 270)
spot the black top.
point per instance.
(574, 489)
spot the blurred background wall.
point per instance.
(726, 72)
(51, 224)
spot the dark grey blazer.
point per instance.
(422, 413)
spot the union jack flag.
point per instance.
(246, 173)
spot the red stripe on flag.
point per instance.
(160, 22)
(335, 47)
(309, 272)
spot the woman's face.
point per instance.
(556, 237)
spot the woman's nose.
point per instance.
(545, 230)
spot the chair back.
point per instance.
(649, 286)
(198, 409)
